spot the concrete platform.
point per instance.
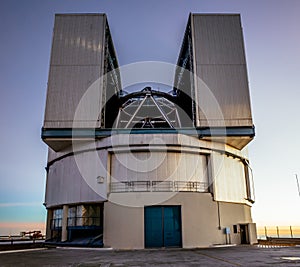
(229, 256)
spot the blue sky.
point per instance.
(141, 31)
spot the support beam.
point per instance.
(162, 112)
(64, 224)
(137, 110)
(89, 133)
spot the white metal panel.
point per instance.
(66, 185)
(219, 60)
(229, 183)
(162, 171)
(218, 39)
(67, 85)
(159, 166)
(78, 39)
(118, 170)
(76, 63)
(230, 89)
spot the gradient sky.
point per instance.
(142, 31)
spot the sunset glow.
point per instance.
(14, 228)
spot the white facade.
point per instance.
(182, 171)
(158, 180)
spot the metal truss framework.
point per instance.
(147, 109)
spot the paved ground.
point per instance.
(229, 256)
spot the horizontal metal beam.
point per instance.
(200, 132)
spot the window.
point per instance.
(85, 215)
(57, 219)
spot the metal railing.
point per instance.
(265, 232)
(84, 221)
(158, 186)
(191, 186)
(17, 239)
(56, 224)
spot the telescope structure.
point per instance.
(148, 168)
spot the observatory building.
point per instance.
(149, 167)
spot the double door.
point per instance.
(162, 226)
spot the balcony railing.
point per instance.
(158, 186)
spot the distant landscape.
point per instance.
(283, 231)
(14, 228)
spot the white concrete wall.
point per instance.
(124, 225)
(252, 233)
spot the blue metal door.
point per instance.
(163, 226)
(153, 227)
(172, 226)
